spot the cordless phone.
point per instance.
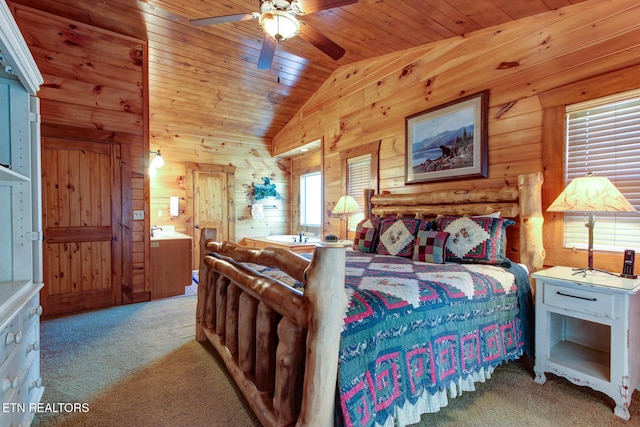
(628, 264)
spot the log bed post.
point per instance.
(532, 251)
(324, 288)
(204, 286)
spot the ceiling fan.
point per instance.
(279, 20)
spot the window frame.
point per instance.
(303, 209)
(601, 138)
(554, 104)
(370, 148)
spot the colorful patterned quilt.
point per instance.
(413, 327)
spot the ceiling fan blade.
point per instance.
(322, 42)
(267, 52)
(310, 6)
(202, 22)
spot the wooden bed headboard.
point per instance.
(522, 203)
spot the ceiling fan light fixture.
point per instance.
(279, 25)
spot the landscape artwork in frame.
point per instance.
(448, 142)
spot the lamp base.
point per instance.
(586, 270)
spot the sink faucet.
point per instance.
(300, 236)
(155, 228)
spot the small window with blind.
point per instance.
(358, 180)
(603, 137)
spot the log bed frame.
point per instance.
(281, 345)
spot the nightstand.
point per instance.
(586, 332)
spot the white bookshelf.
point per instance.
(20, 226)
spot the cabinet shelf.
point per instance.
(587, 360)
(7, 174)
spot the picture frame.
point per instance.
(448, 142)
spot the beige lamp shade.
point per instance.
(346, 205)
(591, 194)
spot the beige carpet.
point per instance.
(139, 365)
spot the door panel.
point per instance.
(210, 202)
(210, 207)
(81, 187)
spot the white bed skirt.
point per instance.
(430, 403)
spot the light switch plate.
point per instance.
(138, 215)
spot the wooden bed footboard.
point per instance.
(280, 346)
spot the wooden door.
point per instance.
(81, 216)
(210, 189)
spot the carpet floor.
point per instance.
(139, 365)
(136, 365)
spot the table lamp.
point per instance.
(346, 205)
(590, 194)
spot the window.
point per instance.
(311, 199)
(358, 180)
(603, 137)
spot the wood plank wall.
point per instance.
(75, 105)
(179, 133)
(515, 61)
(95, 90)
(252, 161)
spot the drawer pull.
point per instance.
(10, 383)
(576, 296)
(32, 347)
(13, 338)
(33, 311)
(37, 383)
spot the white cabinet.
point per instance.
(585, 332)
(20, 227)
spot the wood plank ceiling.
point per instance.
(204, 82)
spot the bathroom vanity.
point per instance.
(171, 261)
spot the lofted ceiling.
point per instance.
(204, 81)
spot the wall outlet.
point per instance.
(160, 213)
(138, 215)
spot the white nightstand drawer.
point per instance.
(581, 300)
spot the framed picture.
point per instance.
(448, 142)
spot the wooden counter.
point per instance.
(171, 261)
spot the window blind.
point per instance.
(358, 180)
(604, 138)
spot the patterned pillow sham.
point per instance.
(430, 246)
(480, 240)
(396, 236)
(366, 236)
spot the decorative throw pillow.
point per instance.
(396, 236)
(430, 246)
(429, 225)
(366, 235)
(479, 240)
